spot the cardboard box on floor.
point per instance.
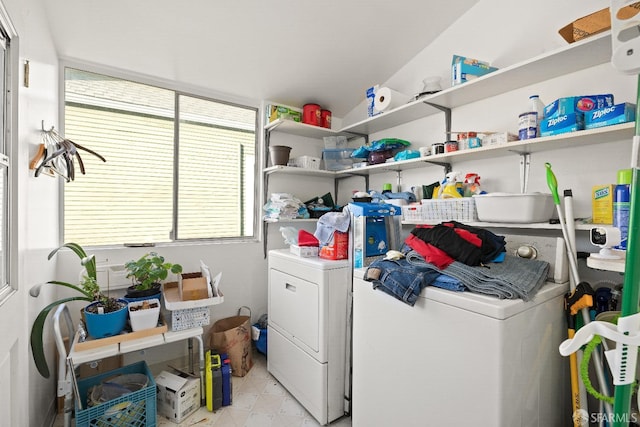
(595, 23)
(178, 395)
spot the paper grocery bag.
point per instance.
(232, 335)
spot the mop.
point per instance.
(571, 229)
(578, 300)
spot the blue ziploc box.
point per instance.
(620, 113)
(578, 104)
(562, 124)
(464, 69)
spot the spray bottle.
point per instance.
(622, 206)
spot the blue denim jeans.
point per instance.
(400, 279)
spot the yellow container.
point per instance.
(602, 204)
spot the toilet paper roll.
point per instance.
(387, 99)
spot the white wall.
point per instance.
(37, 217)
(504, 33)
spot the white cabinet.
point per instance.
(307, 330)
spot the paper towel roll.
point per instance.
(387, 99)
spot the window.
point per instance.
(178, 166)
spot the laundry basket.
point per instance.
(232, 335)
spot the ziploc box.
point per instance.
(620, 113)
(464, 69)
(178, 396)
(562, 124)
(602, 204)
(578, 104)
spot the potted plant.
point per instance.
(146, 273)
(89, 290)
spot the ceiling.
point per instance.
(291, 52)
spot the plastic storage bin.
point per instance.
(461, 209)
(134, 409)
(337, 159)
(516, 208)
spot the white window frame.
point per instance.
(12, 62)
(181, 89)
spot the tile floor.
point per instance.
(258, 401)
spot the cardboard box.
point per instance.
(562, 124)
(498, 138)
(304, 251)
(621, 113)
(594, 23)
(178, 396)
(275, 112)
(464, 69)
(192, 288)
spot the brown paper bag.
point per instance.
(232, 335)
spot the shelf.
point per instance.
(584, 137)
(301, 129)
(587, 53)
(616, 265)
(311, 220)
(291, 170)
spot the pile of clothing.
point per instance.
(284, 206)
(457, 257)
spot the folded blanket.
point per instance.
(513, 278)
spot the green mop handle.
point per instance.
(631, 288)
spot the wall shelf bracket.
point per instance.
(447, 116)
(446, 166)
(525, 164)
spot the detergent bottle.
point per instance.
(451, 186)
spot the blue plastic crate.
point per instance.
(135, 409)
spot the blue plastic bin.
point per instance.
(135, 409)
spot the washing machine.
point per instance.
(460, 358)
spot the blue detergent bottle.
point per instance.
(622, 205)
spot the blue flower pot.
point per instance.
(108, 324)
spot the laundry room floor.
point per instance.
(258, 401)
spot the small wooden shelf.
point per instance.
(92, 343)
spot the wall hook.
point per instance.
(43, 129)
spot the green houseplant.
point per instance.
(88, 289)
(147, 272)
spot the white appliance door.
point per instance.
(294, 308)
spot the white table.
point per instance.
(75, 357)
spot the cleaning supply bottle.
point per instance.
(622, 206)
(537, 106)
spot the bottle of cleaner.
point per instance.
(622, 206)
(537, 106)
(529, 121)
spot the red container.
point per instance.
(311, 114)
(325, 119)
